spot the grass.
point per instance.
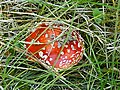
(99, 25)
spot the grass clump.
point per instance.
(97, 21)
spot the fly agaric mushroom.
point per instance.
(53, 51)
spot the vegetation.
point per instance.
(98, 21)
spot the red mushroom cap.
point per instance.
(54, 53)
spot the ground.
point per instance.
(98, 22)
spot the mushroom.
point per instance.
(53, 51)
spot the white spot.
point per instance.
(53, 46)
(62, 57)
(46, 24)
(82, 49)
(55, 26)
(74, 42)
(76, 61)
(79, 45)
(66, 57)
(72, 47)
(45, 57)
(51, 59)
(48, 40)
(43, 48)
(46, 35)
(59, 45)
(80, 40)
(66, 46)
(62, 53)
(73, 59)
(72, 55)
(68, 50)
(65, 66)
(61, 63)
(41, 54)
(81, 54)
(61, 27)
(78, 55)
(64, 61)
(48, 62)
(77, 52)
(69, 61)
